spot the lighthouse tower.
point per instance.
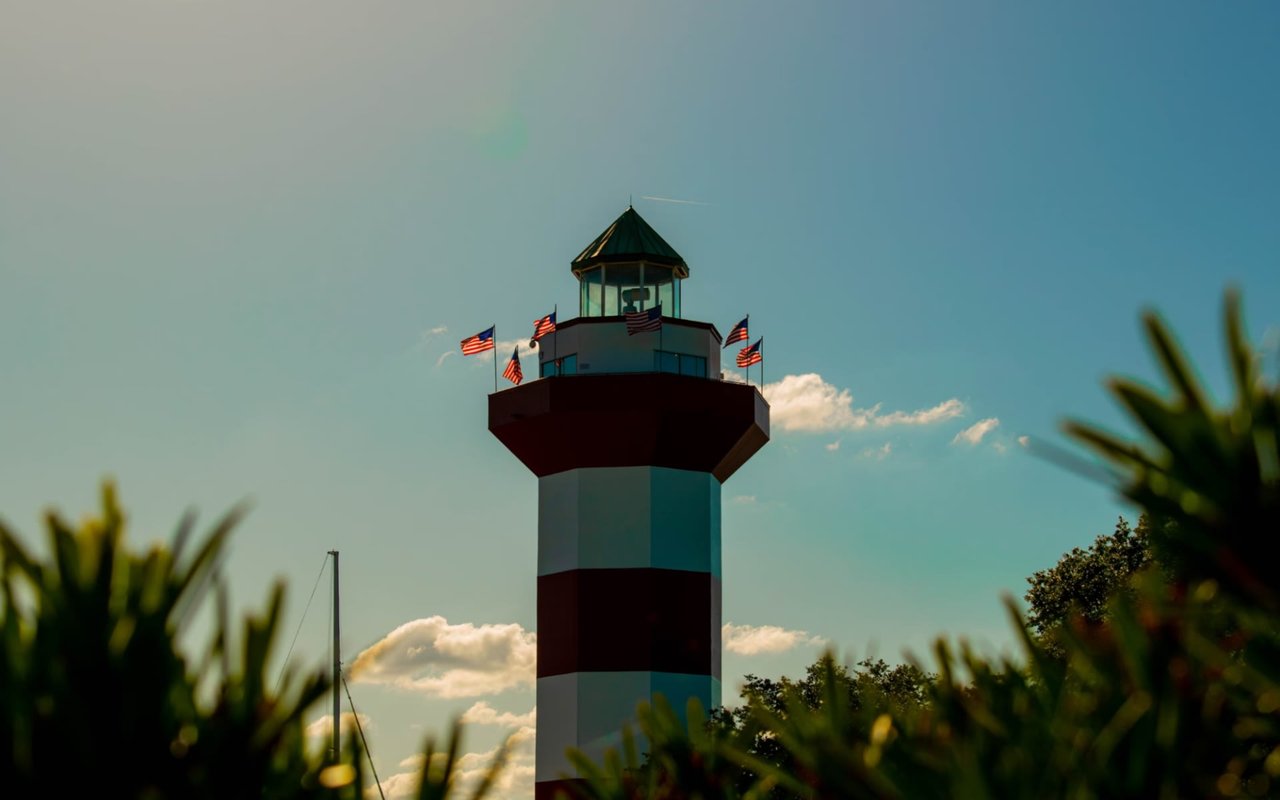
(631, 437)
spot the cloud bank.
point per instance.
(465, 660)
(807, 403)
(514, 781)
(484, 714)
(750, 640)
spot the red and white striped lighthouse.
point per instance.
(631, 437)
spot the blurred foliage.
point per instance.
(1142, 678)
(97, 698)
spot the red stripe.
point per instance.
(652, 419)
(642, 619)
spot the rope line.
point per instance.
(367, 752)
(285, 664)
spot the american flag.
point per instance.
(479, 343)
(642, 321)
(541, 327)
(513, 372)
(751, 355)
(739, 332)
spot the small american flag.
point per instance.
(541, 327)
(739, 332)
(513, 372)
(479, 343)
(643, 321)
(751, 355)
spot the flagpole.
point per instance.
(495, 358)
(761, 365)
(555, 342)
(660, 327)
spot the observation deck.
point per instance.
(606, 398)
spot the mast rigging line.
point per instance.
(284, 665)
(360, 728)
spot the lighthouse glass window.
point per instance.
(590, 281)
(565, 365)
(680, 363)
(661, 287)
(615, 289)
(623, 291)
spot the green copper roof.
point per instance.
(630, 238)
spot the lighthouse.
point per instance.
(631, 436)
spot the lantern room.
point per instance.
(629, 268)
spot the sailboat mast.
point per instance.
(337, 662)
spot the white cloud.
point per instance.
(1270, 342)
(945, 410)
(484, 714)
(878, 453)
(973, 434)
(744, 500)
(1025, 441)
(465, 660)
(426, 336)
(833, 446)
(1000, 447)
(394, 787)
(750, 640)
(322, 728)
(505, 346)
(808, 403)
(514, 781)
(445, 355)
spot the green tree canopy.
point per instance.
(1084, 581)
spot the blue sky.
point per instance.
(237, 239)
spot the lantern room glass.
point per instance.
(590, 302)
(615, 289)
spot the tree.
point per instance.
(871, 684)
(1084, 581)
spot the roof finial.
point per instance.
(629, 205)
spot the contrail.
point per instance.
(673, 200)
